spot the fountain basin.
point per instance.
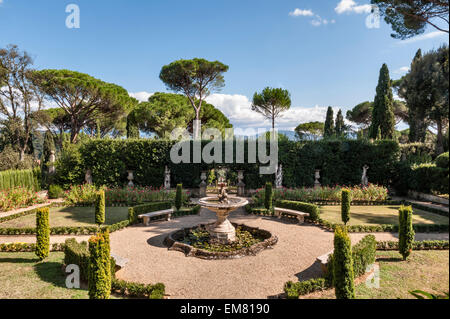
(222, 230)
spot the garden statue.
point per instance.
(88, 177)
(365, 179)
(223, 195)
(130, 179)
(240, 184)
(279, 177)
(52, 169)
(317, 176)
(167, 178)
(203, 184)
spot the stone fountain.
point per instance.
(222, 230)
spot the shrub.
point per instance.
(268, 199)
(42, 233)
(345, 206)
(406, 231)
(140, 195)
(427, 178)
(294, 290)
(18, 197)
(179, 197)
(343, 275)
(311, 209)
(442, 160)
(81, 195)
(99, 277)
(55, 191)
(77, 254)
(364, 254)
(29, 179)
(100, 208)
(137, 290)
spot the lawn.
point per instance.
(424, 270)
(70, 217)
(22, 276)
(377, 215)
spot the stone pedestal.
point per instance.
(51, 168)
(222, 230)
(317, 177)
(167, 178)
(130, 179)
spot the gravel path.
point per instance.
(261, 276)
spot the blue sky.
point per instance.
(323, 53)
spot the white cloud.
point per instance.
(238, 108)
(1, 1)
(318, 21)
(140, 96)
(425, 36)
(299, 12)
(402, 70)
(350, 6)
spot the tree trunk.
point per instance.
(197, 132)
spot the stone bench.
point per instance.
(146, 217)
(323, 260)
(120, 262)
(300, 215)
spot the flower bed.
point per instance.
(85, 195)
(370, 194)
(18, 197)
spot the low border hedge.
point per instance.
(311, 209)
(27, 247)
(417, 245)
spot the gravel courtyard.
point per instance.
(261, 276)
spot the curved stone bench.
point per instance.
(300, 215)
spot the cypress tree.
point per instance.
(49, 146)
(345, 206)
(329, 123)
(100, 208)
(268, 196)
(340, 124)
(179, 197)
(383, 117)
(343, 274)
(99, 271)
(406, 231)
(42, 233)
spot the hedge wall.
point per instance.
(341, 162)
(28, 178)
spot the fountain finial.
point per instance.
(223, 195)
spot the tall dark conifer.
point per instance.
(329, 124)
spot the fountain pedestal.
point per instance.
(222, 230)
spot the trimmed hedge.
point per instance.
(345, 206)
(268, 196)
(78, 254)
(363, 255)
(179, 197)
(99, 268)
(342, 265)
(42, 233)
(426, 178)
(311, 209)
(416, 245)
(109, 161)
(137, 290)
(406, 233)
(28, 178)
(100, 208)
(26, 247)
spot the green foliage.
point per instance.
(364, 254)
(99, 277)
(311, 130)
(179, 197)
(345, 206)
(29, 178)
(383, 118)
(311, 209)
(417, 245)
(442, 160)
(69, 168)
(55, 192)
(294, 290)
(42, 233)
(410, 18)
(419, 294)
(271, 102)
(406, 232)
(100, 208)
(268, 200)
(137, 290)
(343, 274)
(427, 178)
(340, 126)
(49, 146)
(329, 130)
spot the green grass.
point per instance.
(22, 276)
(424, 270)
(70, 217)
(378, 215)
